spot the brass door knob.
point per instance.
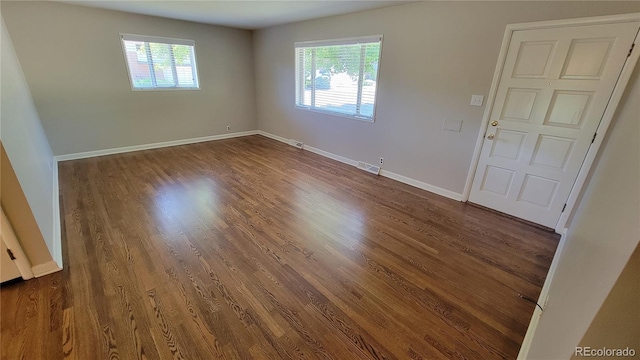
(490, 136)
(494, 123)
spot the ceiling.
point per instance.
(239, 13)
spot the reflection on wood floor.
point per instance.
(249, 248)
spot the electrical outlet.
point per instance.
(381, 161)
(228, 128)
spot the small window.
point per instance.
(338, 76)
(160, 63)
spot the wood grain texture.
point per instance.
(249, 248)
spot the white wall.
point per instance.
(435, 55)
(603, 234)
(73, 62)
(617, 324)
(27, 147)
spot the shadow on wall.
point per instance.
(19, 214)
(617, 324)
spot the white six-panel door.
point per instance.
(553, 91)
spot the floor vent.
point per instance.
(296, 143)
(369, 168)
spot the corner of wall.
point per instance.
(27, 147)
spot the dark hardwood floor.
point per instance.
(249, 248)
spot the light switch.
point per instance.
(452, 125)
(476, 100)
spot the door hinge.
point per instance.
(594, 137)
(631, 50)
(564, 207)
(11, 254)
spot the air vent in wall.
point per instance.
(369, 168)
(296, 143)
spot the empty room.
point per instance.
(319, 179)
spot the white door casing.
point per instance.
(8, 269)
(552, 93)
(12, 268)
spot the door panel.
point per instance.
(552, 151)
(508, 144)
(534, 59)
(553, 91)
(568, 108)
(587, 58)
(497, 180)
(518, 105)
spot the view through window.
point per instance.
(338, 76)
(155, 62)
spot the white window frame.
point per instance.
(163, 40)
(334, 42)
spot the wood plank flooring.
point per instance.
(249, 248)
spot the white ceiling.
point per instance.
(239, 13)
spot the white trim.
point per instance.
(126, 149)
(502, 57)
(422, 185)
(45, 269)
(11, 241)
(609, 113)
(157, 39)
(336, 42)
(343, 41)
(329, 155)
(542, 299)
(272, 136)
(606, 119)
(391, 175)
(165, 88)
(338, 114)
(594, 20)
(57, 232)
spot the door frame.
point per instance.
(9, 238)
(607, 117)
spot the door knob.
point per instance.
(490, 136)
(494, 123)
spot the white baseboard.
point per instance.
(45, 269)
(57, 231)
(422, 185)
(391, 175)
(542, 299)
(120, 150)
(329, 155)
(272, 136)
(311, 148)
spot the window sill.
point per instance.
(337, 114)
(165, 89)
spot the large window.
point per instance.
(338, 76)
(160, 63)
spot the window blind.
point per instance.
(338, 76)
(160, 63)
